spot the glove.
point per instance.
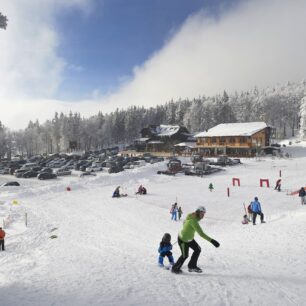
(215, 243)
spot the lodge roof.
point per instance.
(233, 129)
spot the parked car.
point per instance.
(46, 176)
(43, 170)
(84, 166)
(29, 174)
(139, 163)
(28, 166)
(62, 171)
(20, 172)
(14, 183)
(87, 174)
(5, 171)
(154, 160)
(36, 168)
(94, 168)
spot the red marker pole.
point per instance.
(228, 191)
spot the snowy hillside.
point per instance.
(105, 252)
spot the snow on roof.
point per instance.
(234, 129)
(186, 144)
(142, 139)
(155, 142)
(167, 130)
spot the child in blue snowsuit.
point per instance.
(164, 249)
(173, 212)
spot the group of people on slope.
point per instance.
(302, 192)
(141, 190)
(176, 212)
(186, 241)
(117, 194)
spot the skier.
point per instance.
(164, 249)
(116, 193)
(173, 211)
(180, 212)
(2, 235)
(256, 210)
(302, 194)
(186, 241)
(245, 220)
(141, 190)
(278, 185)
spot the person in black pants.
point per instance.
(186, 241)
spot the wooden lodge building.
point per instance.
(234, 139)
(161, 138)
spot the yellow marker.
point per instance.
(15, 202)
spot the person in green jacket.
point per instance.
(186, 241)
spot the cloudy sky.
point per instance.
(91, 55)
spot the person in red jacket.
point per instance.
(2, 235)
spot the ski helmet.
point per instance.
(256, 199)
(166, 238)
(201, 209)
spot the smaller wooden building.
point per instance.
(234, 139)
(161, 138)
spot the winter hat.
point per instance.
(166, 238)
(201, 209)
(256, 199)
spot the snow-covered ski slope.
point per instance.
(106, 250)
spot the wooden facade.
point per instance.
(161, 138)
(234, 145)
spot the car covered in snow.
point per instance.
(62, 171)
(87, 174)
(13, 183)
(94, 167)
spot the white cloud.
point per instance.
(258, 43)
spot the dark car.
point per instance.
(87, 174)
(29, 174)
(36, 169)
(20, 172)
(43, 170)
(11, 184)
(46, 176)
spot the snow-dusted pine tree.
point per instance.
(303, 119)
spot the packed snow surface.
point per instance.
(105, 252)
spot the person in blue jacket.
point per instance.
(164, 249)
(116, 193)
(256, 210)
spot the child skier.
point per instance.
(164, 249)
(173, 211)
(116, 193)
(245, 220)
(180, 212)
